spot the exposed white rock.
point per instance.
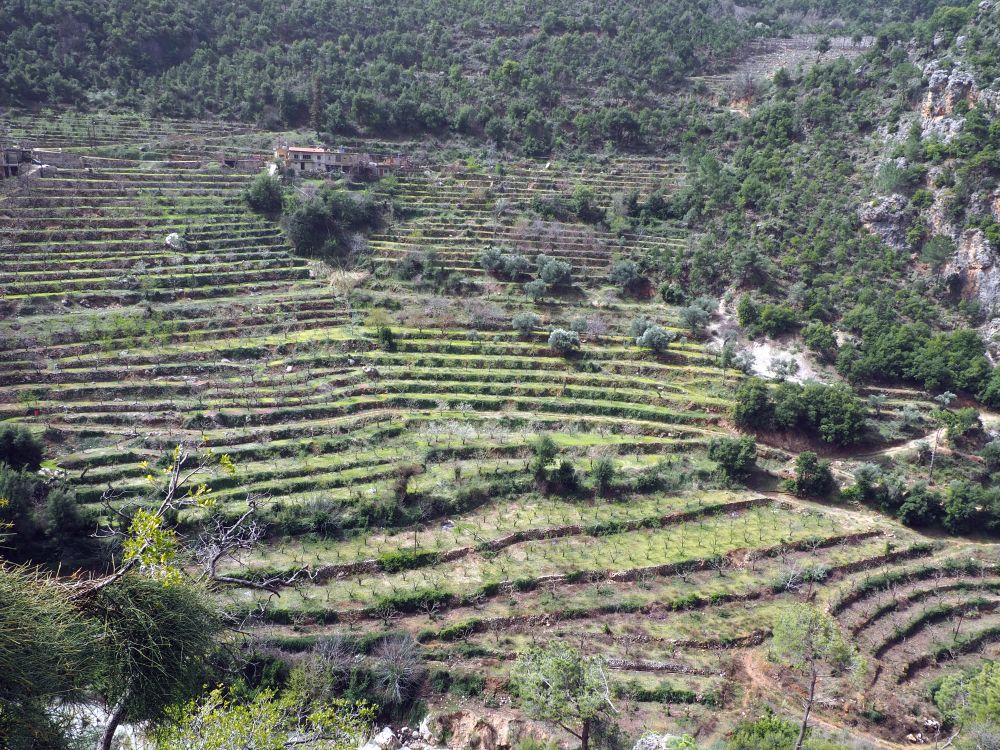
(656, 742)
(884, 218)
(974, 272)
(174, 241)
(384, 740)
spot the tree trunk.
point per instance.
(805, 716)
(585, 735)
(114, 719)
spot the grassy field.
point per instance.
(398, 483)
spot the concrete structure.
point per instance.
(315, 160)
(13, 159)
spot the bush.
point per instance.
(820, 338)
(603, 473)
(753, 409)
(695, 318)
(991, 455)
(812, 476)
(833, 412)
(563, 341)
(736, 457)
(626, 275)
(19, 448)
(921, 508)
(555, 273)
(773, 320)
(264, 194)
(505, 265)
(766, 733)
(656, 338)
(525, 323)
(535, 289)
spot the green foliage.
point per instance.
(525, 323)
(535, 289)
(774, 319)
(938, 362)
(555, 273)
(264, 194)
(971, 701)
(318, 227)
(753, 408)
(47, 652)
(654, 337)
(545, 450)
(221, 721)
(626, 275)
(603, 473)
(766, 733)
(155, 643)
(564, 342)
(558, 684)
(820, 338)
(806, 639)
(41, 522)
(406, 559)
(511, 266)
(19, 448)
(812, 476)
(833, 413)
(736, 457)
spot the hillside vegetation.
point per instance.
(655, 403)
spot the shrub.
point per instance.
(736, 457)
(694, 318)
(603, 473)
(264, 194)
(656, 339)
(773, 320)
(921, 508)
(753, 409)
(525, 323)
(626, 275)
(812, 476)
(766, 733)
(671, 293)
(19, 448)
(991, 455)
(937, 251)
(638, 326)
(747, 312)
(820, 338)
(563, 341)
(505, 265)
(566, 477)
(555, 273)
(535, 289)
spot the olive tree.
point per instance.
(559, 684)
(563, 341)
(525, 323)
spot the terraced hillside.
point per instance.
(399, 483)
(457, 212)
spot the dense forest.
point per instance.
(522, 75)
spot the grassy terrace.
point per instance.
(457, 213)
(117, 347)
